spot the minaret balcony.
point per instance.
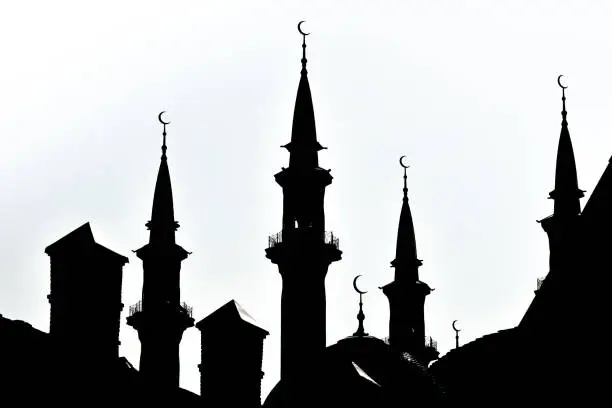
(303, 234)
(428, 342)
(431, 343)
(183, 308)
(539, 283)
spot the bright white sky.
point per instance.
(466, 89)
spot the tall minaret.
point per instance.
(407, 293)
(303, 250)
(159, 317)
(562, 225)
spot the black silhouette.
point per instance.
(232, 352)
(544, 360)
(303, 250)
(407, 293)
(160, 317)
(547, 358)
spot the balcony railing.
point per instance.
(428, 342)
(431, 343)
(188, 309)
(539, 283)
(276, 239)
(137, 308)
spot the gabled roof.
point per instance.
(81, 237)
(228, 316)
(81, 240)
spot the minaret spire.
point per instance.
(406, 262)
(303, 250)
(303, 146)
(160, 317)
(162, 225)
(407, 292)
(566, 193)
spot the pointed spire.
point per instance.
(360, 316)
(566, 193)
(406, 261)
(162, 224)
(304, 146)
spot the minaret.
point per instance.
(407, 293)
(561, 226)
(303, 250)
(160, 317)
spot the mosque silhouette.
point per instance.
(548, 358)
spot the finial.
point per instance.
(456, 333)
(304, 60)
(164, 133)
(360, 316)
(563, 88)
(405, 177)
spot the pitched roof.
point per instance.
(228, 315)
(81, 240)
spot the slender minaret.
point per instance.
(160, 317)
(407, 293)
(303, 250)
(562, 225)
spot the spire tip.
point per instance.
(360, 316)
(563, 88)
(405, 177)
(159, 117)
(304, 60)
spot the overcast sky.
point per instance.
(465, 89)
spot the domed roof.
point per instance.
(359, 371)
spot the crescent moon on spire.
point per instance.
(402, 163)
(559, 82)
(160, 118)
(356, 288)
(455, 327)
(300, 28)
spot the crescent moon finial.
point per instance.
(405, 177)
(159, 117)
(456, 333)
(455, 327)
(360, 316)
(300, 28)
(559, 82)
(563, 88)
(356, 288)
(304, 60)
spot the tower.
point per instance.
(232, 352)
(85, 296)
(552, 308)
(160, 318)
(303, 250)
(407, 293)
(562, 225)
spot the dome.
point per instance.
(359, 371)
